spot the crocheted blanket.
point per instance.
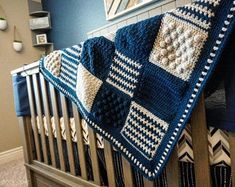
(139, 91)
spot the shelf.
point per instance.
(39, 13)
(41, 29)
(42, 45)
(39, 23)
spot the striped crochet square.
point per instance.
(70, 58)
(143, 130)
(124, 73)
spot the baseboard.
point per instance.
(10, 155)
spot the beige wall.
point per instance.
(17, 14)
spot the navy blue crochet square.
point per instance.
(160, 91)
(110, 108)
(97, 56)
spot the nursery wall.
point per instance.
(71, 21)
(16, 12)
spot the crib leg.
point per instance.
(127, 172)
(232, 155)
(200, 146)
(172, 170)
(26, 138)
(148, 183)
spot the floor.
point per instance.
(13, 174)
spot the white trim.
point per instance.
(11, 155)
(27, 69)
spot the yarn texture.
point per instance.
(139, 91)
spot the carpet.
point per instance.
(13, 174)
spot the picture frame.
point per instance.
(41, 38)
(117, 8)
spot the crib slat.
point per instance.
(127, 172)
(33, 117)
(232, 155)
(172, 170)
(40, 118)
(80, 146)
(94, 157)
(148, 183)
(68, 134)
(200, 146)
(108, 153)
(57, 126)
(48, 119)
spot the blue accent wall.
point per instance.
(72, 19)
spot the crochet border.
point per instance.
(191, 102)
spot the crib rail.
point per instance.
(41, 158)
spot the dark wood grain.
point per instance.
(26, 139)
(94, 157)
(127, 172)
(200, 146)
(108, 153)
(68, 134)
(172, 170)
(33, 118)
(57, 126)
(80, 146)
(60, 177)
(232, 155)
(148, 183)
(48, 119)
(40, 117)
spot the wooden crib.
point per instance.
(42, 172)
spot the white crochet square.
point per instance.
(87, 87)
(143, 130)
(177, 46)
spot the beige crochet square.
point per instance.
(177, 46)
(87, 87)
(53, 63)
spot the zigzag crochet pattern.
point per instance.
(139, 91)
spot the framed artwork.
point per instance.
(41, 38)
(115, 8)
